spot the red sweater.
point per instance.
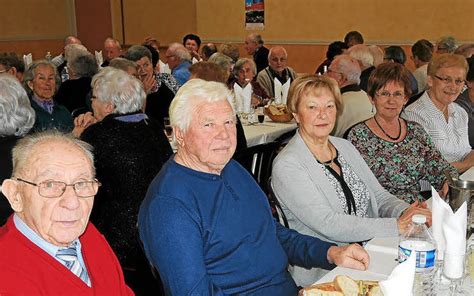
(25, 269)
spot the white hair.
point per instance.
(192, 93)
(115, 86)
(17, 116)
(25, 147)
(348, 66)
(72, 51)
(362, 53)
(180, 51)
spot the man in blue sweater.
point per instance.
(206, 225)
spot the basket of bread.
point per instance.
(278, 113)
(344, 286)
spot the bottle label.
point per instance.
(424, 259)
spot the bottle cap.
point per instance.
(420, 219)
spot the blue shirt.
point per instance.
(181, 72)
(44, 245)
(214, 235)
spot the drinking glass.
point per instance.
(453, 271)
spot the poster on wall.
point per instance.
(254, 14)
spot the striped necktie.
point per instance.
(69, 257)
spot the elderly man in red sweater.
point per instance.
(48, 246)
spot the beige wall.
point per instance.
(304, 27)
(323, 21)
(165, 20)
(36, 26)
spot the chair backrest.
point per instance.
(258, 161)
(275, 205)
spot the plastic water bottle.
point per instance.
(420, 240)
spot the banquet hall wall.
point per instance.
(303, 27)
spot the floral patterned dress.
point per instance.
(400, 166)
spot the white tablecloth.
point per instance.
(383, 254)
(267, 132)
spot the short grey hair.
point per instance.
(348, 66)
(230, 50)
(25, 147)
(270, 52)
(115, 86)
(123, 64)
(31, 73)
(223, 61)
(84, 66)
(137, 52)
(17, 116)
(447, 43)
(257, 38)
(72, 51)
(113, 41)
(192, 93)
(179, 51)
(361, 53)
(242, 62)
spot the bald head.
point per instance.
(277, 59)
(345, 70)
(71, 40)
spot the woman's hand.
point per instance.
(82, 122)
(149, 82)
(415, 208)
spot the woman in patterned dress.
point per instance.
(400, 153)
(322, 182)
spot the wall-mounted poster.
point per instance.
(254, 14)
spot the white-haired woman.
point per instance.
(16, 119)
(129, 150)
(244, 73)
(41, 82)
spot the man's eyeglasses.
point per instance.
(449, 80)
(55, 189)
(398, 95)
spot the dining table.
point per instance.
(268, 131)
(383, 254)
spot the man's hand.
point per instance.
(415, 208)
(350, 256)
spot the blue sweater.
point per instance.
(214, 235)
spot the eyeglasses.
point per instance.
(449, 80)
(398, 95)
(55, 189)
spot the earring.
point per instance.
(372, 109)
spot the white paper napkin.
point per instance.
(243, 97)
(439, 208)
(281, 91)
(99, 58)
(27, 59)
(400, 281)
(454, 230)
(449, 229)
(164, 68)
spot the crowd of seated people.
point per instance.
(195, 215)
